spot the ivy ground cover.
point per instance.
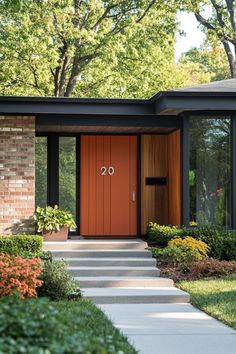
(40, 326)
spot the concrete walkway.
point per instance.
(171, 329)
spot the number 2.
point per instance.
(103, 171)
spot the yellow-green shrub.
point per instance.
(197, 249)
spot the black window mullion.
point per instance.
(185, 171)
(53, 170)
(78, 183)
(233, 170)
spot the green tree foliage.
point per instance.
(212, 62)
(220, 26)
(86, 47)
(189, 74)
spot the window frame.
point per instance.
(185, 144)
(53, 172)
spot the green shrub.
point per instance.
(170, 254)
(58, 282)
(43, 255)
(195, 249)
(19, 244)
(221, 242)
(8, 246)
(176, 255)
(161, 234)
(41, 327)
(28, 243)
(229, 249)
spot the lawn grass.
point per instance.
(94, 324)
(217, 297)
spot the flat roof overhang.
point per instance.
(166, 103)
(63, 105)
(175, 103)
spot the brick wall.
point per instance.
(17, 173)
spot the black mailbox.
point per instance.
(160, 181)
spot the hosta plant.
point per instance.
(53, 219)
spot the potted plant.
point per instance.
(54, 223)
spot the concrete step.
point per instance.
(123, 282)
(101, 253)
(115, 271)
(105, 262)
(136, 295)
(96, 245)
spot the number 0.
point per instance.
(111, 171)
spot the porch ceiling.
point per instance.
(105, 124)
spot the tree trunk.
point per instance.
(231, 59)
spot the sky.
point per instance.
(194, 36)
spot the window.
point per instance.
(41, 171)
(210, 170)
(67, 174)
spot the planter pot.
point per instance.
(56, 235)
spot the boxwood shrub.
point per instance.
(162, 234)
(19, 244)
(42, 327)
(221, 242)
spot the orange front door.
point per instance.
(108, 186)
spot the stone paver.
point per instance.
(171, 329)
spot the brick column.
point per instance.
(17, 174)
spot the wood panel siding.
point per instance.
(174, 178)
(154, 198)
(160, 157)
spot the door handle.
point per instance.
(133, 196)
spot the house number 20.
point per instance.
(110, 170)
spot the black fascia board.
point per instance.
(111, 120)
(174, 102)
(60, 105)
(163, 103)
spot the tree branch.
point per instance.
(77, 4)
(221, 35)
(230, 7)
(80, 61)
(204, 21)
(218, 13)
(62, 80)
(146, 10)
(104, 15)
(59, 75)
